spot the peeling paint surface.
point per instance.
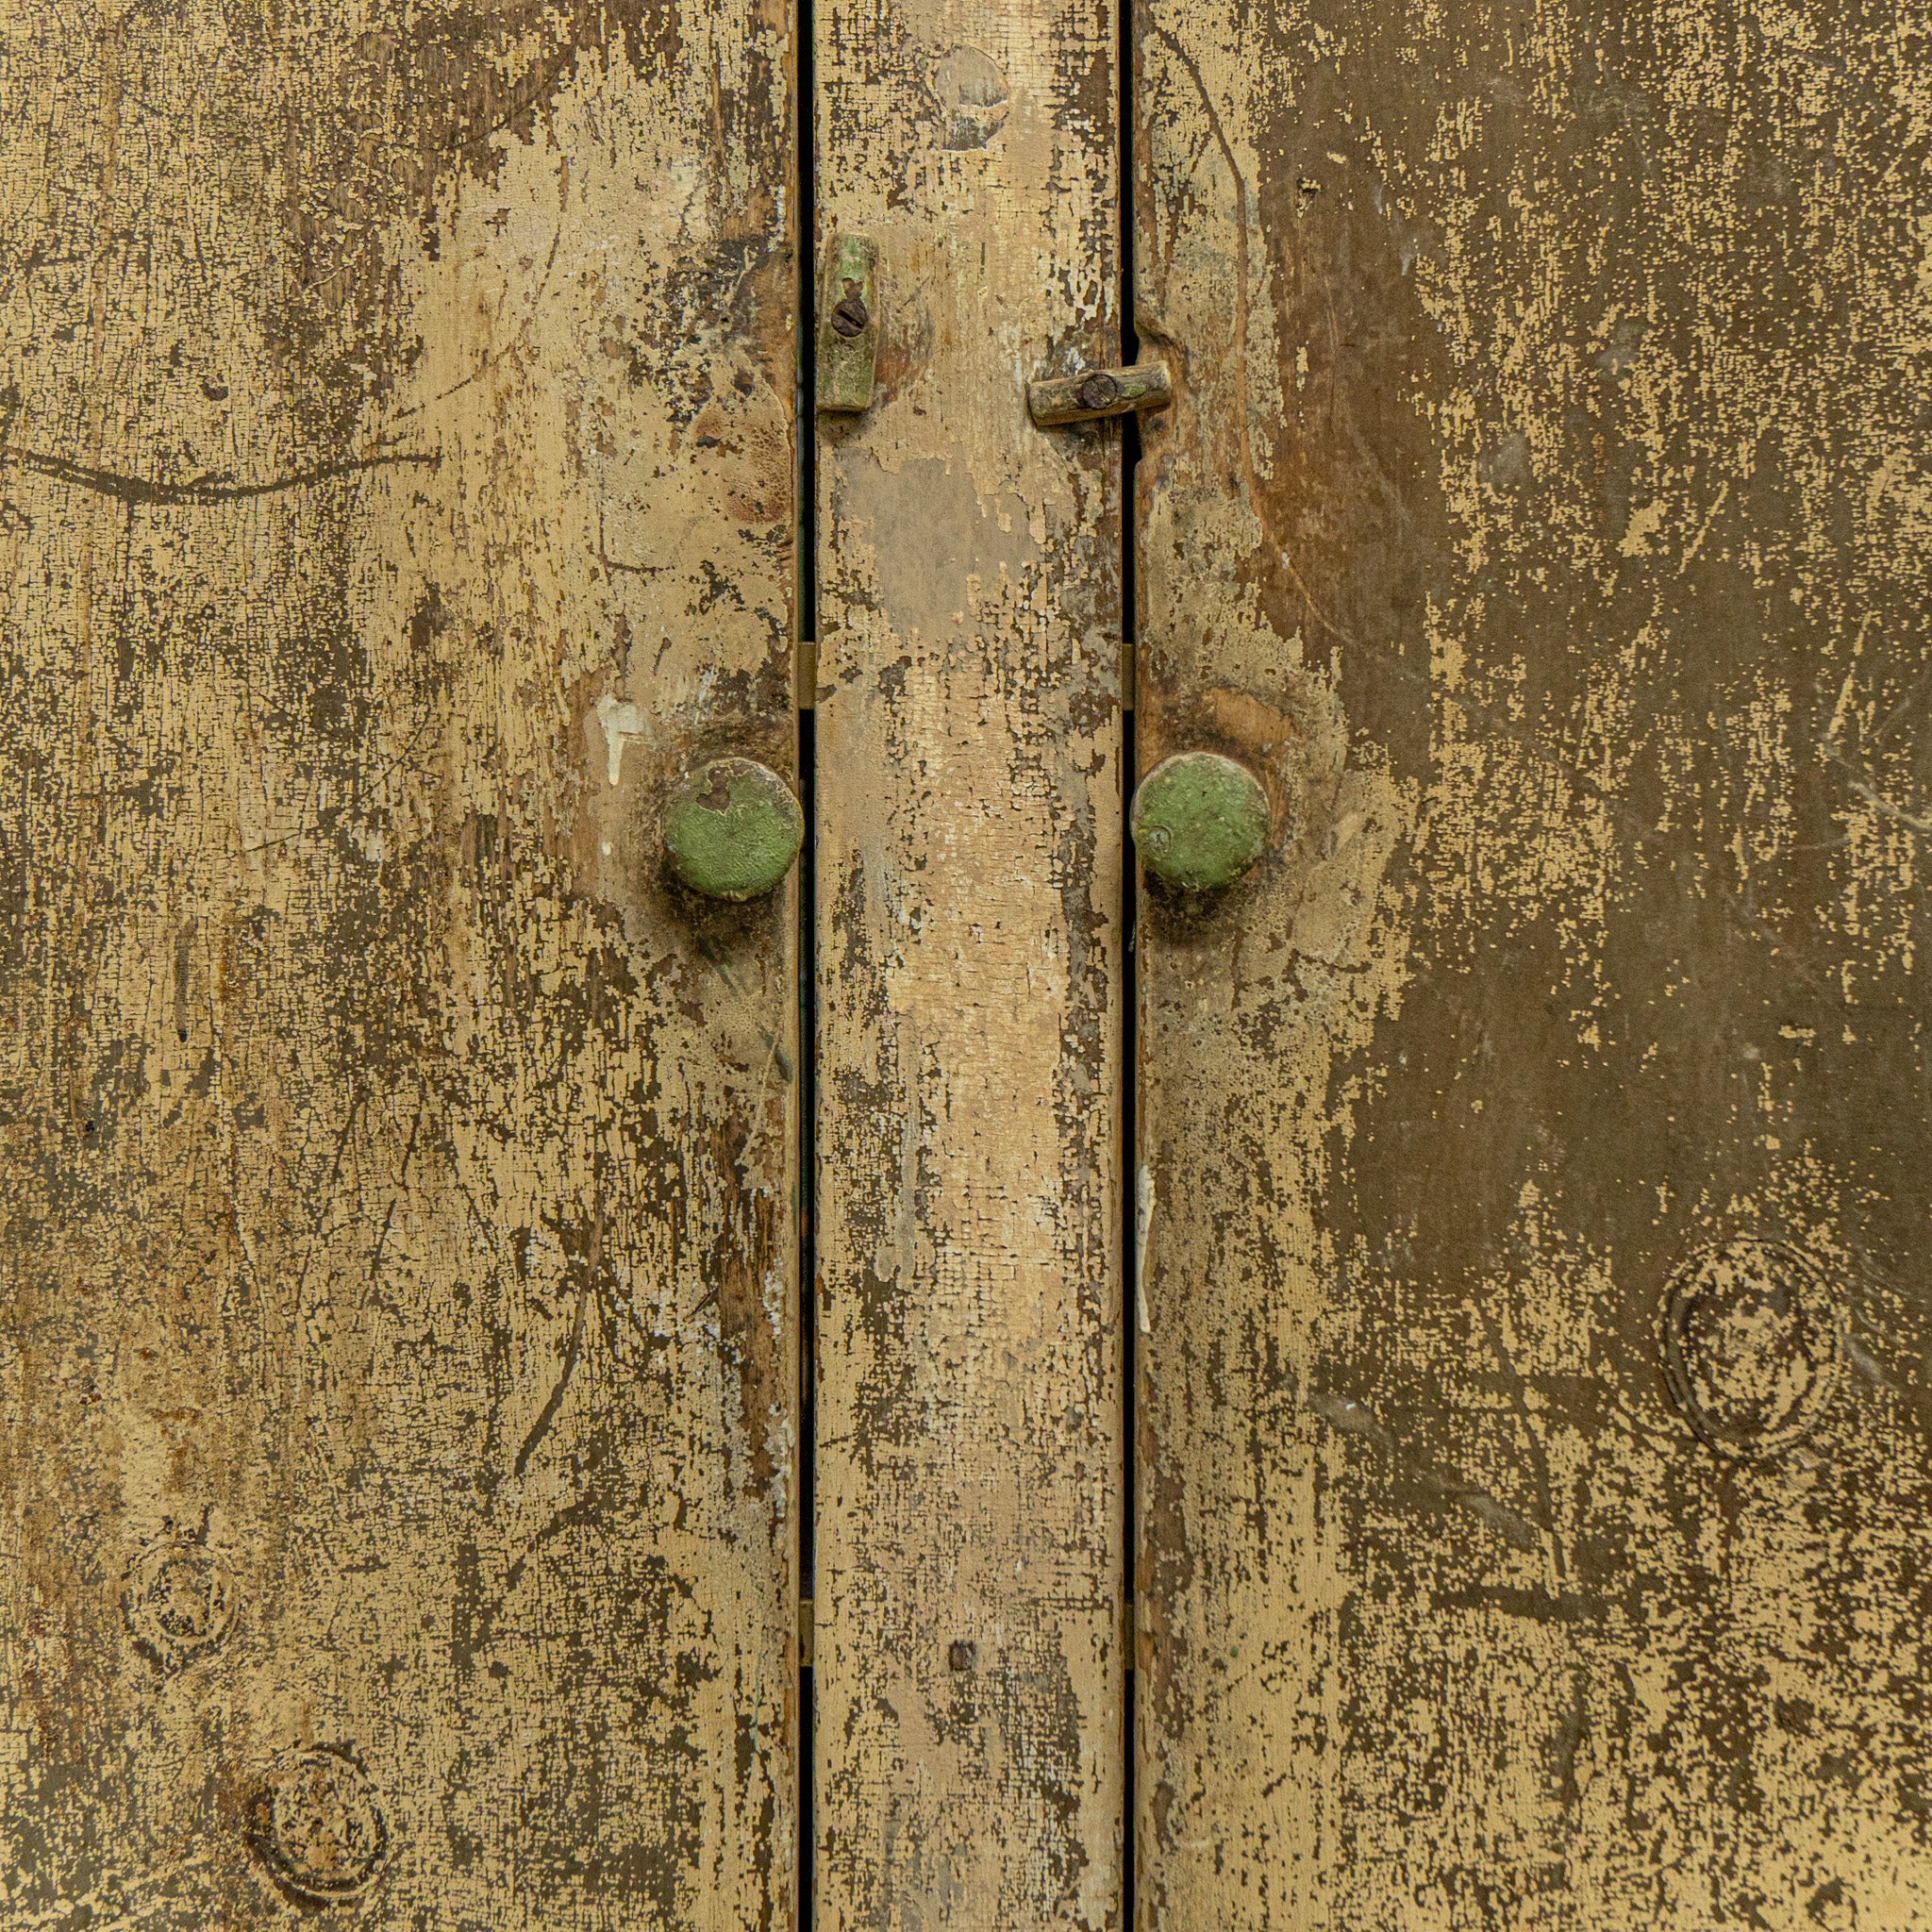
(397, 1339)
(968, 1668)
(1533, 1434)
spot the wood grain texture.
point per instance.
(1534, 1469)
(395, 493)
(969, 1570)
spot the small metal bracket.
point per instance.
(1096, 393)
(848, 325)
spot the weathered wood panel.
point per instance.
(397, 1355)
(969, 1569)
(1535, 1453)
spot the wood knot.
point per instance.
(180, 1601)
(318, 1826)
(1752, 1343)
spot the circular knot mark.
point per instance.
(970, 89)
(1753, 1338)
(318, 1826)
(180, 1601)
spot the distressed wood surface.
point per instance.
(396, 1371)
(968, 1565)
(1534, 1453)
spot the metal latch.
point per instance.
(848, 343)
(1096, 393)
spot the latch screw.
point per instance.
(848, 325)
(849, 317)
(1099, 392)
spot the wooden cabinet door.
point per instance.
(398, 1358)
(1534, 1468)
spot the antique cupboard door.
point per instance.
(396, 1361)
(968, 1537)
(1534, 1464)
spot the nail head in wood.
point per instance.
(1096, 393)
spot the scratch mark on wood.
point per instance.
(143, 490)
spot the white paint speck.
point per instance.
(1143, 1218)
(620, 719)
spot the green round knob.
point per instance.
(732, 829)
(1200, 821)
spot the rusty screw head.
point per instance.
(1100, 390)
(318, 1826)
(849, 317)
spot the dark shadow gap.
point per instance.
(1125, 64)
(808, 630)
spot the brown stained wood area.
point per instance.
(396, 1371)
(1534, 1469)
(968, 1565)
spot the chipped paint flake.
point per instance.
(620, 721)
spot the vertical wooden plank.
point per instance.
(968, 1672)
(397, 1369)
(1534, 1459)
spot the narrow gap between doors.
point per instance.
(807, 630)
(1129, 1189)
